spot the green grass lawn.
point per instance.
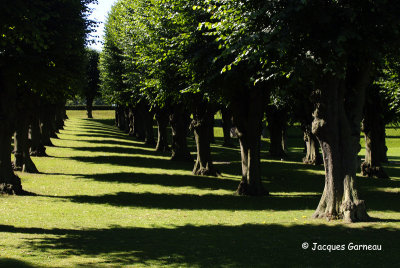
(104, 199)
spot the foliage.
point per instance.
(43, 41)
(388, 83)
(158, 51)
(92, 77)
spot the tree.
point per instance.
(91, 89)
(41, 44)
(344, 40)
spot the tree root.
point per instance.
(316, 161)
(181, 157)
(207, 172)
(14, 188)
(354, 211)
(246, 189)
(373, 171)
(38, 153)
(349, 211)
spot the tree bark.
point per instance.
(248, 112)
(36, 145)
(117, 116)
(162, 122)
(336, 124)
(277, 125)
(89, 107)
(139, 128)
(23, 161)
(179, 120)
(131, 121)
(45, 123)
(126, 120)
(373, 127)
(227, 125)
(203, 116)
(59, 116)
(9, 182)
(211, 128)
(148, 117)
(313, 156)
(52, 110)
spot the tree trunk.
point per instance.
(121, 120)
(126, 120)
(36, 145)
(89, 107)
(162, 122)
(277, 125)
(9, 182)
(139, 128)
(23, 161)
(45, 123)
(116, 116)
(59, 116)
(202, 122)
(373, 127)
(248, 112)
(227, 125)
(179, 120)
(52, 110)
(131, 121)
(148, 123)
(313, 156)
(64, 111)
(211, 128)
(336, 124)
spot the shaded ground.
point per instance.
(105, 199)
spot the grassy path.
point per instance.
(105, 199)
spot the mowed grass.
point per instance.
(104, 199)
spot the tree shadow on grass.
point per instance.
(121, 150)
(169, 180)
(7, 262)
(248, 245)
(199, 202)
(96, 134)
(135, 161)
(118, 141)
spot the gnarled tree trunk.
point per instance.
(313, 156)
(9, 182)
(373, 127)
(336, 124)
(248, 112)
(202, 122)
(36, 145)
(23, 161)
(179, 120)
